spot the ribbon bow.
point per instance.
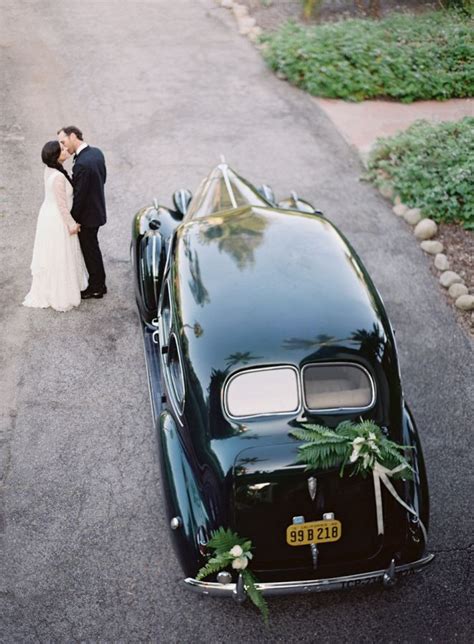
(380, 474)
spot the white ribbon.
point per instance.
(381, 473)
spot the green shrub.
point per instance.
(430, 167)
(463, 5)
(405, 57)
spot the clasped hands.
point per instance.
(74, 229)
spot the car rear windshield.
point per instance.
(262, 391)
(337, 386)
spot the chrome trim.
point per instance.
(178, 405)
(390, 577)
(239, 594)
(165, 332)
(223, 168)
(224, 577)
(155, 270)
(165, 338)
(312, 487)
(175, 523)
(332, 410)
(309, 585)
(234, 375)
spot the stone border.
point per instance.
(246, 25)
(424, 229)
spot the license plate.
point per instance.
(303, 534)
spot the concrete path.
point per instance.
(164, 87)
(361, 124)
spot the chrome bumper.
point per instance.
(310, 585)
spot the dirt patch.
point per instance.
(270, 14)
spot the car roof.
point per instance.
(260, 285)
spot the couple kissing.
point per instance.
(67, 263)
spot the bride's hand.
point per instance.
(73, 230)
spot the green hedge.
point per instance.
(430, 167)
(404, 56)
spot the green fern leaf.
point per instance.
(213, 566)
(223, 539)
(255, 595)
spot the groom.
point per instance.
(88, 208)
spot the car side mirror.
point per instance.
(181, 199)
(295, 203)
(267, 193)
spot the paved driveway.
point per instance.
(164, 87)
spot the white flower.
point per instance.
(240, 563)
(373, 442)
(236, 551)
(356, 447)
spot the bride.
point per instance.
(58, 269)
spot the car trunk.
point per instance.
(270, 490)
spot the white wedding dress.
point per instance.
(58, 269)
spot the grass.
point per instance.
(430, 167)
(404, 57)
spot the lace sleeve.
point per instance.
(59, 187)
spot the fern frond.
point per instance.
(319, 432)
(324, 456)
(255, 595)
(324, 448)
(223, 539)
(213, 566)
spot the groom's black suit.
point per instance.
(88, 209)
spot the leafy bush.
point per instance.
(405, 57)
(463, 5)
(430, 167)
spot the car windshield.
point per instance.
(223, 190)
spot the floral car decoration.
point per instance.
(276, 396)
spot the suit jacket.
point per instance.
(88, 179)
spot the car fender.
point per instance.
(152, 227)
(184, 498)
(416, 490)
(151, 257)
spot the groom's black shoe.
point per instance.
(89, 293)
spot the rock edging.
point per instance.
(246, 24)
(425, 230)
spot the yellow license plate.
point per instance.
(304, 534)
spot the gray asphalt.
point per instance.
(164, 87)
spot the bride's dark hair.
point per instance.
(50, 157)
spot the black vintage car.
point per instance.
(259, 319)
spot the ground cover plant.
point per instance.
(405, 57)
(431, 167)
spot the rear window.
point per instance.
(337, 386)
(262, 392)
